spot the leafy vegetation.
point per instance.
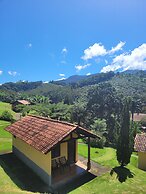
(6, 116)
(82, 100)
(124, 148)
(6, 107)
(106, 157)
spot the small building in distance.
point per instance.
(20, 102)
(139, 117)
(140, 147)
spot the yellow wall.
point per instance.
(64, 150)
(64, 146)
(42, 160)
(142, 160)
(74, 135)
(76, 150)
(67, 138)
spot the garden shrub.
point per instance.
(6, 116)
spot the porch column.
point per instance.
(88, 163)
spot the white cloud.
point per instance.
(135, 59)
(93, 51)
(62, 74)
(13, 73)
(64, 50)
(63, 78)
(80, 67)
(88, 74)
(118, 47)
(1, 72)
(98, 49)
(46, 82)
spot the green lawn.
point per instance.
(5, 137)
(104, 156)
(119, 181)
(6, 106)
(7, 186)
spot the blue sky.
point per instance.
(49, 40)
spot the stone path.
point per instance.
(96, 168)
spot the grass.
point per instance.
(7, 177)
(17, 179)
(109, 184)
(119, 181)
(105, 157)
(3, 133)
(5, 137)
(6, 106)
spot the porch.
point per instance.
(70, 177)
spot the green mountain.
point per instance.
(129, 83)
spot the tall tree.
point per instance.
(124, 150)
(104, 103)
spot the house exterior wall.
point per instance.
(40, 163)
(142, 160)
(76, 151)
(64, 146)
(64, 150)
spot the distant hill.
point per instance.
(20, 86)
(83, 80)
(128, 83)
(133, 72)
(71, 79)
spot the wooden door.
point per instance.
(72, 151)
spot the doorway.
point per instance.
(72, 151)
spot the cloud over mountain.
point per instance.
(136, 59)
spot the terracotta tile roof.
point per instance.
(140, 142)
(139, 117)
(43, 133)
(25, 102)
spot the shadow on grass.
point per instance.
(27, 180)
(74, 184)
(21, 175)
(122, 173)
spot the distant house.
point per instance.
(138, 117)
(44, 144)
(140, 147)
(20, 102)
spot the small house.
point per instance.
(44, 144)
(138, 117)
(140, 147)
(20, 102)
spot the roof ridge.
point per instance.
(54, 120)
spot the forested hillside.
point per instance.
(94, 101)
(130, 83)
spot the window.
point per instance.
(56, 151)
